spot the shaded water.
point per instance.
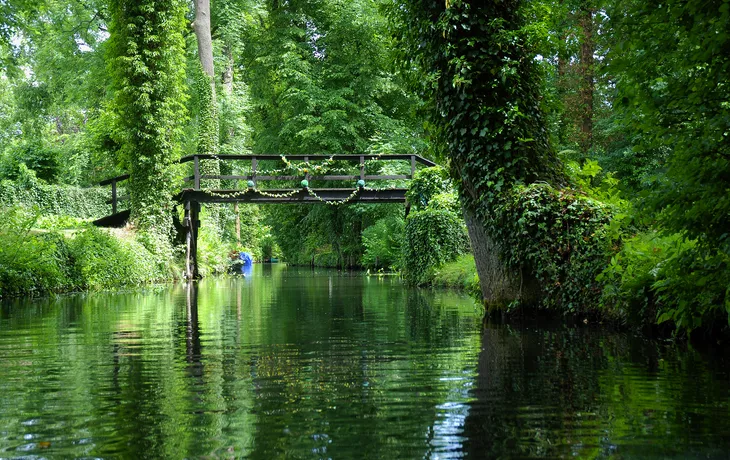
(300, 364)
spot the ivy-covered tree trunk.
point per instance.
(486, 84)
(147, 61)
(498, 284)
(208, 106)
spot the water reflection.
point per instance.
(299, 363)
(591, 393)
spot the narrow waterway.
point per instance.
(294, 363)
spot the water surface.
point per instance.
(292, 363)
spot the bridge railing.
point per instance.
(197, 177)
(115, 199)
(254, 176)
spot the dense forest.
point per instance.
(584, 143)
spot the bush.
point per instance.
(659, 278)
(41, 263)
(426, 184)
(30, 263)
(628, 291)
(106, 262)
(432, 238)
(37, 156)
(28, 191)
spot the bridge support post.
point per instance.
(192, 223)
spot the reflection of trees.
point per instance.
(338, 366)
(581, 392)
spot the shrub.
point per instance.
(432, 238)
(66, 200)
(660, 278)
(106, 262)
(33, 263)
(629, 277)
(30, 263)
(426, 184)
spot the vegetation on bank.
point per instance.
(43, 254)
(37, 261)
(458, 274)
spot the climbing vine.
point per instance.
(147, 62)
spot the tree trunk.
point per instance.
(208, 128)
(227, 77)
(499, 286)
(202, 33)
(587, 71)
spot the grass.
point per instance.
(459, 274)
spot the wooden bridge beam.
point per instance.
(192, 224)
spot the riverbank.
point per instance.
(49, 254)
(36, 261)
(458, 274)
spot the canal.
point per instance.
(299, 363)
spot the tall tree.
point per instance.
(528, 230)
(587, 72)
(147, 61)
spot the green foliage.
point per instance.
(212, 252)
(206, 113)
(322, 82)
(460, 274)
(33, 263)
(669, 62)
(435, 233)
(561, 237)
(62, 200)
(41, 263)
(426, 184)
(30, 263)
(323, 235)
(479, 56)
(34, 155)
(147, 61)
(432, 238)
(105, 261)
(665, 278)
(630, 277)
(383, 242)
(672, 60)
(446, 200)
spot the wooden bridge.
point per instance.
(311, 169)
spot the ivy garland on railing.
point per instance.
(334, 202)
(302, 168)
(306, 167)
(291, 193)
